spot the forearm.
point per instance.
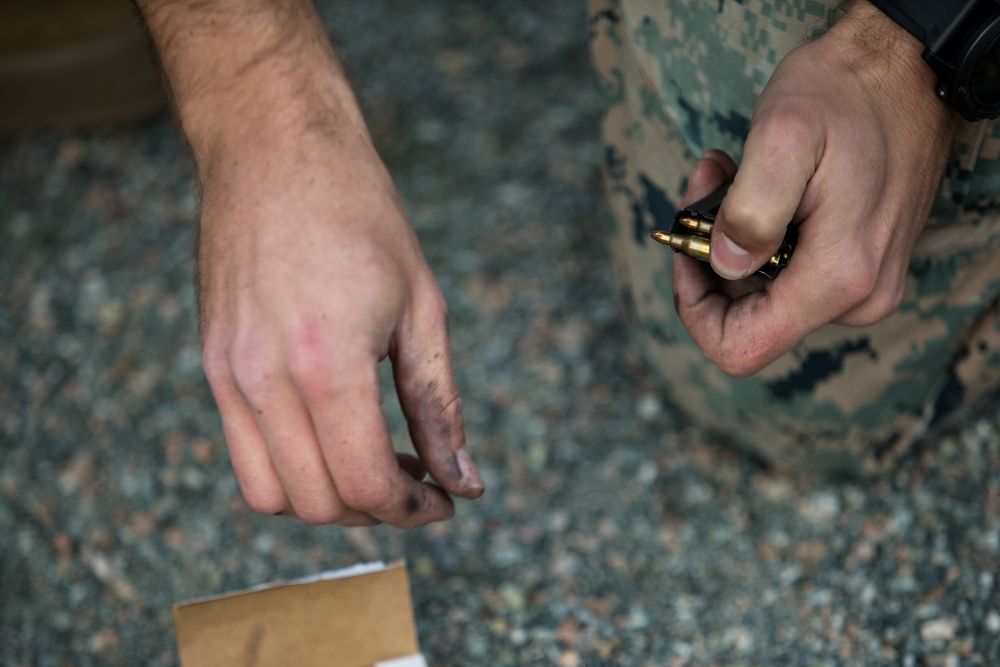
(249, 71)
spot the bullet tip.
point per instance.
(661, 236)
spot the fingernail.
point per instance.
(729, 260)
(470, 475)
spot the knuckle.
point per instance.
(430, 305)
(308, 373)
(749, 223)
(433, 299)
(858, 284)
(251, 382)
(250, 367)
(215, 364)
(321, 367)
(305, 351)
(881, 303)
(318, 514)
(370, 496)
(264, 502)
(791, 123)
(795, 126)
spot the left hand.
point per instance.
(849, 142)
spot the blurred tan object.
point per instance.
(361, 616)
(74, 63)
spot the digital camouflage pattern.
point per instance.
(681, 76)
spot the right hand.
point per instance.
(847, 141)
(310, 274)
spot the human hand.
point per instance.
(847, 141)
(310, 274)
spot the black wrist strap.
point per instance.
(930, 21)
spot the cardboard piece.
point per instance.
(348, 618)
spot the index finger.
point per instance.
(742, 335)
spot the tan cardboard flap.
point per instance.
(345, 621)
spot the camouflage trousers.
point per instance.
(681, 76)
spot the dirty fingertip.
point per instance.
(471, 479)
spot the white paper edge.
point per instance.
(351, 571)
(415, 660)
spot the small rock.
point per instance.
(993, 622)
(939, 629)
(569, 658)
(648, 407)
(821, 507)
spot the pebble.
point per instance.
(648, 407)
(993, 622)
(938, 629)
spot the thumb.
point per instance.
(429, 396)
(763, 199)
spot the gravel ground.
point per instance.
(611, 533)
